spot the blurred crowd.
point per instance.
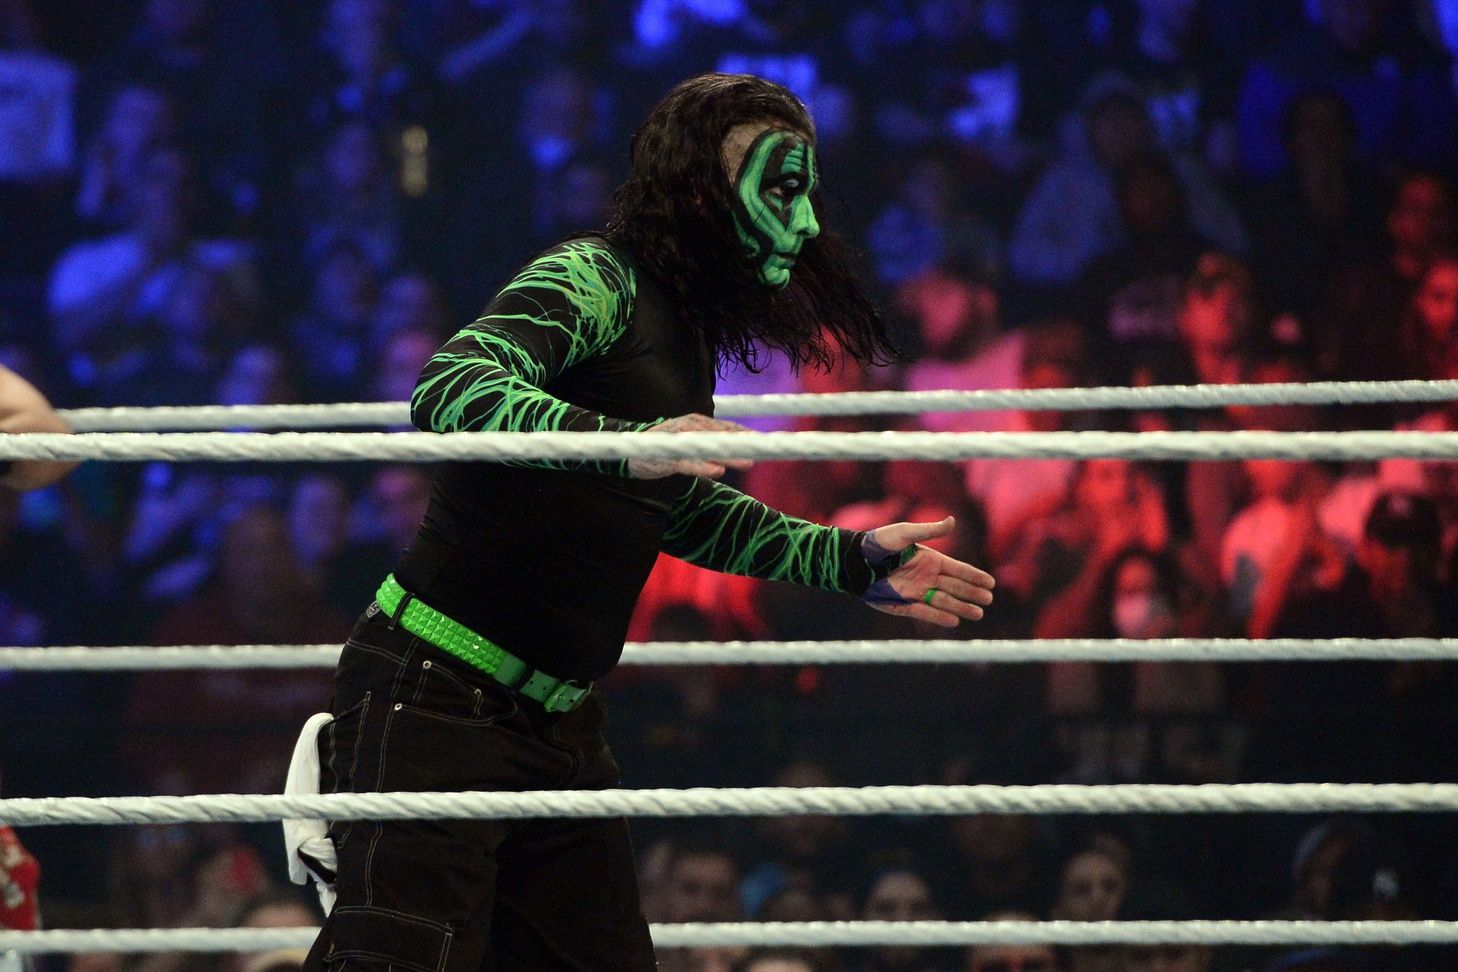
(274, 201)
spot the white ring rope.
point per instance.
(743, 802)
(354, 414)
(928, 446)
(811, 934)
(159, 658)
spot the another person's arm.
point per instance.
(720, 528)
(24, 409)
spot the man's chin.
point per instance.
(776, 271)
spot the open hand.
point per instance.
(928, 586)
(712, 469)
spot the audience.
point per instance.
(1006, 958)
(257, 202)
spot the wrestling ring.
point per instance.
(212, 434)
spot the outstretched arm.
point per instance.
(717, 527)
(720, 528)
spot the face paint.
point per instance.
(772, 202)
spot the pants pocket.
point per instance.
(430, 688)
(382, 938)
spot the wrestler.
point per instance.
(473, 669)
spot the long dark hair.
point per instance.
(673, 214)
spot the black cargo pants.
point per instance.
(469, 895)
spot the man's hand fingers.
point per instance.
(945, 603)
(968, 573)
(964, 591)
(694, 422)
(922, 612)
(917, 532)
(693, 467)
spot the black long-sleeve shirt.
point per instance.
(547, 558)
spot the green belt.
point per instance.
(428, 624)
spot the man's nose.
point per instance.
(802, 219)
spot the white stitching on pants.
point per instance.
(379, 781)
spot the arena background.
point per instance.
(270, 201)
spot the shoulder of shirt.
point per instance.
(591, 250)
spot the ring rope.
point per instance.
(929, 446)
(810, 934)
(162, 658)
(346, 414)
(742, 802)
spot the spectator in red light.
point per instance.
(955, 315)
(1111, 506)
(1217, 318)
(1141, 595)
(1390, 589)
(1367, 303)
(1429, 337)
(1016, 493)
(19, 880)
(1278, 539)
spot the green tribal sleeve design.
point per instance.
(568, 305)
(715, 526)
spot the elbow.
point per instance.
(420, 416)
(424, 413)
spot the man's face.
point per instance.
(1092, 888)
(703, 887)
(772, 209)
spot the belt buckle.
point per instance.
(566, 696)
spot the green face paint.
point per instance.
(772, 209)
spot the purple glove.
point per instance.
(883, 562)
